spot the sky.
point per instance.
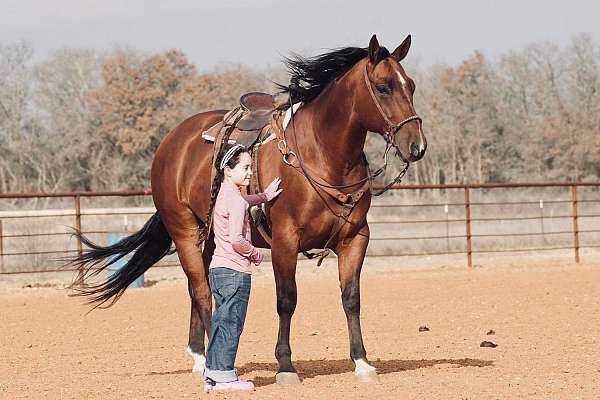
(259, 33)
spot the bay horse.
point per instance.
(345, 93)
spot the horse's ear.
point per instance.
(374, 50)
(402, 50)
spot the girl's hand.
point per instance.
(257, 257)
(273, 190)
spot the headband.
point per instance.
(228, 155)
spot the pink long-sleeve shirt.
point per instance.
(231, 226)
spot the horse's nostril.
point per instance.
(414, 150)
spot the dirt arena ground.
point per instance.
(545, 315)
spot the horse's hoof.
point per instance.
(198, 370)
(367, 377)
(287, 378)
(199, 362)
(365, 372)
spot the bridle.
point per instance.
(389, 134)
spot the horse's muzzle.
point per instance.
(417, 151)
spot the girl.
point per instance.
(230, 269)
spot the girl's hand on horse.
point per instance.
(257, 257)
(273, 190)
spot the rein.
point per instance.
(349, 201)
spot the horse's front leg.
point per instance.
(284, 257)
(351, 253)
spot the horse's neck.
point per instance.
(333, 136)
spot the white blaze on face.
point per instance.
(403, 85)
(401, 79)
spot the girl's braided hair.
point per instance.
(234, 159)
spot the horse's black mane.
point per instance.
(309, 76)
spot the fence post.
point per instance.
(78, 223)
(468, 222)
(1, 249)
(446, 210)
(575, 223)
(542, 220)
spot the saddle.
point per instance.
(250, 124)
(255, 101)
(246, 122)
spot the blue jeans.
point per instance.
(231, 291)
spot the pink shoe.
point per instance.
(240, 386)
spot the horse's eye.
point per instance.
(383, 88)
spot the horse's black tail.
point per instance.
(149, 245)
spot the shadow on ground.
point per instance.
(312, 368)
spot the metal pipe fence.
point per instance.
(575, 216)
(470, 238)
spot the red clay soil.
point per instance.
(546, 319)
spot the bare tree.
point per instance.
(86, 120)
(73, 155)
(15, 121)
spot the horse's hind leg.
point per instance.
(183, 229)
(196, 338)
(201, 299)
(351, 253)
(196, 346)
